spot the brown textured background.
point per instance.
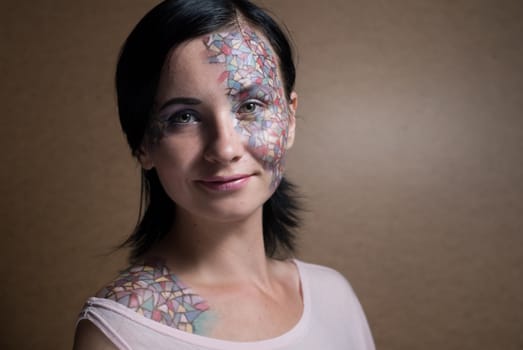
(409, 154)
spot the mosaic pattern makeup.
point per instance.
(152, 291)
(260, 112)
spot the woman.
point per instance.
(206, 100)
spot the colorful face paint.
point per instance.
(152, 291)
(260, 112)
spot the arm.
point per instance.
(88, 336)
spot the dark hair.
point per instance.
(138, 71)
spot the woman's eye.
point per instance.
(250, 107)
(183, 117)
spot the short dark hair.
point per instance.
(140, 64)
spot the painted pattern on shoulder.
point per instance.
(154, 292)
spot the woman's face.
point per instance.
(222, 124)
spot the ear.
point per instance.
(144, 157)
(293, 105)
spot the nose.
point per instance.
(224, 143)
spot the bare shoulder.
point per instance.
(151, 290)
(88, 336)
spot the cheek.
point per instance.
(175, 158)
(266, 138)
(173, 169)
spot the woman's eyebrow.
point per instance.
(180, 101)
(253, 90)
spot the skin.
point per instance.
(221, 110)
(248, 59)
(154, 292)
(237, 123)
(259, 112)
(88, 336)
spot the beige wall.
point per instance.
(409, 154)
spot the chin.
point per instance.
(225, 217)
(227, 209)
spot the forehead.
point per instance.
(242, 50)
(245, 54)
(243, 43)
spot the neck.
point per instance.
(217, 252)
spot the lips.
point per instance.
(225, 183)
